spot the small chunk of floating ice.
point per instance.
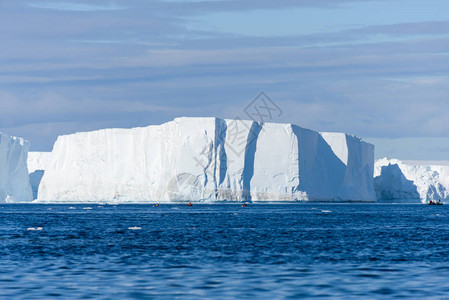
(87, 207)
(34, 228)
(134, 228)
(326, 211)
(71, 207)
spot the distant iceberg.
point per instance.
(14, 182)
(208, 160)
(37, 163)
(411, 181)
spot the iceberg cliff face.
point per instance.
(208, 159)
(14, 181)
(417, 181)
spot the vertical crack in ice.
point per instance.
(250, 152)
(209, 153)
(220, 153)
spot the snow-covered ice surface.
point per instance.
(14, 181)
(37, 163)
(417, 181)
(208, 160)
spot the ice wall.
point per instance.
(37, 163)
(209, 159)
(412, 181)
(14, 182)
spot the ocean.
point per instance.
(224, 251)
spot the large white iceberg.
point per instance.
(207, 160)
(14, 182)
(411, 181)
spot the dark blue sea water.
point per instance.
(224, 251)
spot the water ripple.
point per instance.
(222, 251)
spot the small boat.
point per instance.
(190, 204)
(156, 205)
(244, 205)
(432, 202)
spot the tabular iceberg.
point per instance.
(14, 181)
(207, 160)
(417, 181)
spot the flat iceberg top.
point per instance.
(4, 138)
(199, 120)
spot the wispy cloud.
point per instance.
(93, 64)
(75, 6)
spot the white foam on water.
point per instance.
(326, 211)
(34, 228)
(135, 228)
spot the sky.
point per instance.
(375, 69)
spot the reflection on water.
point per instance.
(224, 251)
